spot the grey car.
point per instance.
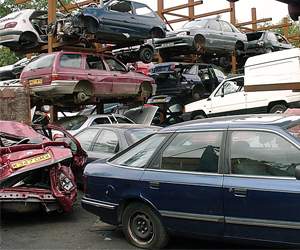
(104, 141)
(265, 42)
(204, 36)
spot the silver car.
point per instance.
(25, 29)
(204, 36)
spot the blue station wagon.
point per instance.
(229, 178)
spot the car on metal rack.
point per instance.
(230, 98)
(132, 54)
(120, 22)
(68, 77)
(23, 30)
(204, 36)
(262, 42)
(190, 81)
(220, 178)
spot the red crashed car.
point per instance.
(83, 77)
(36, 171)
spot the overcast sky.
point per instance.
(265, 8)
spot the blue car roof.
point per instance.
(238, 121)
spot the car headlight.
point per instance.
(183, 33)
(261, 43)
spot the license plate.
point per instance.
(36, 82)
(167, 45)
(31, 161)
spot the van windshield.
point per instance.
(41, 63)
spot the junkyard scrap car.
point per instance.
(35, 171)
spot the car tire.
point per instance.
(146, 55)
(142, 227)
(198, 94)
(199, 44)
(278, 108)
(198, 117)
(269, 50)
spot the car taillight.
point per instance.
(10, 25)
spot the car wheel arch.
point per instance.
(29, 35)
(146, 89)
(199, 42)
(91, 23)
(273, 104)
(85, 87)
(240, 45)
(197, 113)
(157, 32)
(198, 88)
(130, 200)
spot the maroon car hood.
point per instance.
(18, 129)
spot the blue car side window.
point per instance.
(263, 154)
(193, 152)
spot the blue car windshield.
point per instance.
(195, 24)
(140, 155)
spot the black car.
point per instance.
(205, 36)
(132, 54)
(104, 141)
(189, 81)
(265, 42)
(120, 22)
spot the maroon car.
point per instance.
(36, 171)
(82, 77)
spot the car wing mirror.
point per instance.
(209, 99)
(117, 148)
(297, 172)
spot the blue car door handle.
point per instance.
(238, 192)
(154, 184)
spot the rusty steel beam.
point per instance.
(178, 15)
(182, 6)
(191, 9)
(21, 1)
(202, 15)
(253, 22)
(73, 6)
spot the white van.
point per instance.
(273, 71)
(230, 98)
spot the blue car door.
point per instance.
(261, 194)
(118, 18)
(184, 185)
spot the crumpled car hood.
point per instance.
(18, 159)
(19, 130)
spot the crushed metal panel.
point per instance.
(14, 102)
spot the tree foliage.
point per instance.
(293, 30)
(8, 6)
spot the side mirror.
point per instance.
(297, 172)
(208, 99)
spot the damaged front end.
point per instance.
(35, 172)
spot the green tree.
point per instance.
(8, 6)
(293, 30)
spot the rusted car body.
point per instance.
(35, 171)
